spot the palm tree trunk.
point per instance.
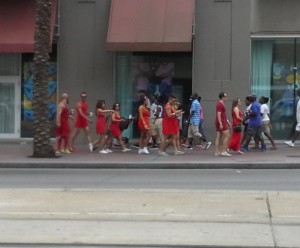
(42, 147)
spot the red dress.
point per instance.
(80, 121)
(169, 123)
(100, 124)
(115, 126)
(235, 139)
(221, 108)
(146, 115)
(64, 129)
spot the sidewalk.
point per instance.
(17, 155)
(140, 217)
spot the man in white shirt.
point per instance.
(291, 143)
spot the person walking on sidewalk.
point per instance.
(194, 119)
(254, 125)
(265, 120)
(222, 129)
(115, 126)
(170, 128)
(206, 144)
(144, 125)
(291, 142)
(82, 121)
(236, 134)
(101, 129)
(63, 129)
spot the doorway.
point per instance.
(9, 107)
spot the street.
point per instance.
(159, 208)
(227, 179)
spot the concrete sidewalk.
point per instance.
(150, 217)
(17, 155)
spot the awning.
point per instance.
(150, 25)
(17, 25)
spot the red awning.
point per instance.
(150, 25)
(17, 25)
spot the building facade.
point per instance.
(236, 46)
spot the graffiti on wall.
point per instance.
(28, 91)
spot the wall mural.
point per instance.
(28, 90)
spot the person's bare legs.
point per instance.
(74, 136)
(218, 142)
(226, 136)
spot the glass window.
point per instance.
(275, 74)
(7, 107)
(160, 74)
(9, 64)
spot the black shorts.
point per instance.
(254, 131)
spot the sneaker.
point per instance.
(289, 143)
(108, 150)
(103, 152)
(217, 154)
(141, 151)
(65, 151)
(225, 154)
(244, 148)
(185, 145)
(178, 153)
(154, 146)
(57, 152)
(189, 147)
(263, 148)
(162, 153)
(126, 150)
(207, 145)
(95, 148)
(91, 147)
(146, 150)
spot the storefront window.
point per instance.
(276, 74)
(158, 74)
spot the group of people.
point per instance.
(158, 124)
(251, 124)
(65, 141)
(161, 125)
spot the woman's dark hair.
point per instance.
(142, 100)
(115, 105)
(234, 104)
(99, 104)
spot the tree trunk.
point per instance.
(42, 147)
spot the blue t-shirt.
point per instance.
(255, 121)
(195, 119)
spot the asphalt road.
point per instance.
(275, 180)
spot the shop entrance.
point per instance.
(9, 107)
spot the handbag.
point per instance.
(237, 128)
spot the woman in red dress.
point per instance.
(170, 127)
(236, 136)
(101, 126)
(144, 125)
(115, 126)
(63, 129)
